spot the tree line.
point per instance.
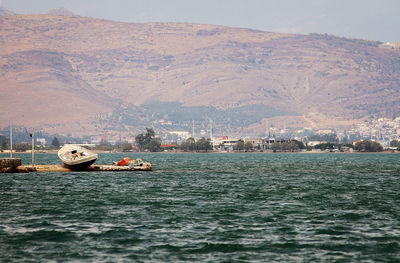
(24, 146)
(368, 146)
(200, 145)
(148, 141)
(289, 146)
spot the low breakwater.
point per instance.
(9, 164)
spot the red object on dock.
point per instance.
(124, 161)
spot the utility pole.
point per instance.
(11, 143)
(32, 135)
(193, 129)
(211, 129)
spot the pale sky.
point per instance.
(365, 19)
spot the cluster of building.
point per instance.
(392, 45)
(383, 131)
(225, 143)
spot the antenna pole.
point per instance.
(11, 141)
(211, 130)
(33, 148)
(193, 129)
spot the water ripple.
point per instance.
(207, 208)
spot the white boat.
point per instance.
(75, 156)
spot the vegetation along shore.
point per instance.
(149, 142)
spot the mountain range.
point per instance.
(66, 74)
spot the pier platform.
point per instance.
(92, 168)
(9, 164)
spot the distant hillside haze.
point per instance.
(68, 74)
(60, 12)
(5, 12)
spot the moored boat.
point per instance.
(75, 156)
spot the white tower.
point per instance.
(211, 129)
(193, 129)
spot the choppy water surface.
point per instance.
(207, 208)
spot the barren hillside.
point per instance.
(83, 76)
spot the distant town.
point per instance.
(384, 132)
(393, 45)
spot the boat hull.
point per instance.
(80, 166)
(76, 157)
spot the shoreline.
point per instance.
(214, 152)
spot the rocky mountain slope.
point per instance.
(80, 75)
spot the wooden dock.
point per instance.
(92, 168)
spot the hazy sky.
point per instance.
(366, 19)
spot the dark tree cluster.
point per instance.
(55, 142)
(368, 146)
(330, 146)
(331, 138)
(243, 146)
(394, 143)
(3, 143)
(289, 146)
(126, 147)
(147, 141)
(202, 144)
(21, 147)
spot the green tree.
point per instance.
(191, 144)
(150, 133)
(376, 147)
(276, 147)
(3, 142)
(154, 145)
(55, 142)
(148, 141)
(362, 146)
(299, 144)
(188, 145)
(141, 141)
(248, 146)
(394, 143)
(291, 146)
(323, 146)
(183, 147)
(126, 147)
(204, 144)
(239, 146)
(368, 146)
(21, 147)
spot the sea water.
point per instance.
(206, 208)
